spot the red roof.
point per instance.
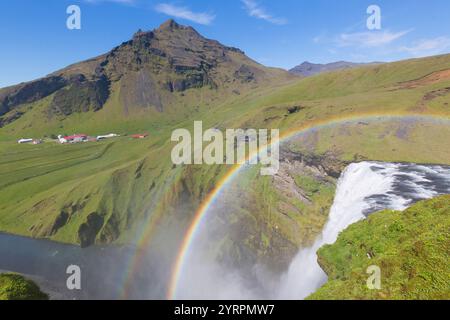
(139, 136)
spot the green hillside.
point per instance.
(411, 249)
(16, 287)
(101, 192)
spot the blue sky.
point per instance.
(35, 40)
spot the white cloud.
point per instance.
(185, 13)
(369, 38)
(255, 10)
(317, 39)
(321, 38)
(427, 47)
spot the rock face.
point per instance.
(148, 69)
(268, 222)
(88, 231)
(307, 69)
(29, 92)
(80, 95)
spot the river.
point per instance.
(46, 262)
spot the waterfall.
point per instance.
(362, 189)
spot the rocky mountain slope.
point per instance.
(142, 73)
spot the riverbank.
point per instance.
(53, 291)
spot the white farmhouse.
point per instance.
(24, 141)
(108, 136)
(61, 139)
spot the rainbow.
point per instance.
(145, 237)
(201, 213)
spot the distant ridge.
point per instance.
(307, 69)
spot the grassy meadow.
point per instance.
(50, 190)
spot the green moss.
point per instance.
(16, 287)
(411, 249)
(310, 185)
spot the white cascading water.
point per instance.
(363, 188)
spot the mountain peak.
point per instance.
(169, 25)
(147, 69)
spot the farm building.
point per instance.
(139, 136)
(73, 139)
(21, 141)
(108, 136)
